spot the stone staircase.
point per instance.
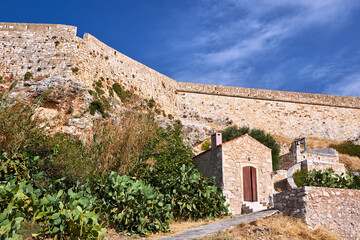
(249, 207)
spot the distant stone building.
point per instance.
(309, 159)
(242, 167)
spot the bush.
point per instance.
(57, 43)
(260, 135)
(19, 129)
(192, 196)
(133, 206)
(205, 146)
(164, 155)
(326, 178)
(27, 76)
(151, 103)
(300, 177)
(347, 148)
(97, 106)
(123, 95)
(75, 69)
(60, 214)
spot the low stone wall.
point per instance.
(335, 209)
(280, 180)
(309, 165)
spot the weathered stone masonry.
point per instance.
(50, 49)
(332, 208)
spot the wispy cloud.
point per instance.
(234, 36)
(349, 86)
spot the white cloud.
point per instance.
(348, 86)
(234, 32)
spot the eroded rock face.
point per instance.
(68, 96)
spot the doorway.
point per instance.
(250, 186)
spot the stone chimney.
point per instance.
(216, 140)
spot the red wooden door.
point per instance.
(249, 179)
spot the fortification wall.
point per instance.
(33, 48)
(95, 60)
(49, 49)
(292, 114)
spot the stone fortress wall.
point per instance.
(32, 47)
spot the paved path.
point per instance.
(220, 226)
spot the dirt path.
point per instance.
(220, 226)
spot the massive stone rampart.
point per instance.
(52, 49)
(288, 113)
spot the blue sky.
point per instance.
(293, 45)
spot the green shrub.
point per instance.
(300, 177)
(61, 156)
(326, 178)
(111, 92)
(133, 206)
(27, 76)
(192, 196)
(347, 148)
(260, 135)
(205, 146)
(99, 84)
(151, 103)
(57, 43)
(97, 106)
(99, 91)
(93, 94)
(61, 214)
(123, 95)
(39, 69)
(166, 152)
(75, 69)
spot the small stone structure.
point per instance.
(242, 167)
(319, 159)
(335, 209)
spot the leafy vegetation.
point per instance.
(192, 196)
(205, 146)
(347, 148)
(27, 76)
(133, 206)
(326, 178)
(97, 106)
(260, 135)
(122, 94)
(59, 187)
(164, 155)
(151, 103)
(75, 69)
(57, 43)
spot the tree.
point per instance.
(260, 135)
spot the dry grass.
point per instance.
(351, 163)
(275, 227)
(116, 143)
